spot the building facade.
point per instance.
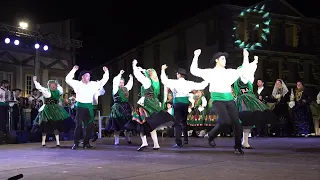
(290, 52)
(19, 63)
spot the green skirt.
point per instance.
(249, 102)
(54, 112)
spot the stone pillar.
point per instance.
(292, 71)
(19, 77)
(45, 77)
(280, 68)
(260, 69)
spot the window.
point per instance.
(274, 35)
(240, 31)
(211, 32)
(291, 35)
(7, 76)
(28, 85)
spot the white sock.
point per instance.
(116, 137)
(155, 139)
(44, 137)
(57, 140)
(128, 138)
(245, 139)
(144, 140)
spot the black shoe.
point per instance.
(142, 148)
(238, 151)
(177, 146)
(185, 142)
(95, 137)
(155, 149)
(88, 146)
(75, 146)
(248, 147)
(211, 142)
(57, 146)
(44, 145)
(129, 142)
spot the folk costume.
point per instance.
(180, 89)
(4, 106)
(220, 80)
(280, 97)
(315, 110)
(149, 114)
(84, 97)
(95, 104)
(251, 110)
(121, 110)
(35, 101)
(51, 113)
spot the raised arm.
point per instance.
(129, 84)
(116, 82)
(194, 69)
(69, 78)
(59, 88)
(105, 77)
(45, 92)
(137, 72)
(170, 83)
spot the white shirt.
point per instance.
(220, 79)
(85, 92)
(116, 82)
(181, 87)
(260, 89)
(96, 96)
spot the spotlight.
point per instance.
(16, 42)
(37, 46)
(45, 47)
(7, 40)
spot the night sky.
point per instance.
(113, 27)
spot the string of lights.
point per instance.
(264, 26)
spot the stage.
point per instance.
(272, 159)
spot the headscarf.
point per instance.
(54, 94)
(284, 90)
(155, 84)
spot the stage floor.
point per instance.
(272, 159)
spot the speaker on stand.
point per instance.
(11, 136)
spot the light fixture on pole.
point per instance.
(45, 47)
(23, 25)
(37, 46)
(16, 42)
(7, 40)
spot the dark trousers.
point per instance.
(180, 114)
(228, 114)
(82, 116)
(4, 118)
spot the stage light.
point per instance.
(7, 40)
(23, 25)
(37, 46)
(45, 47)
(16, 42)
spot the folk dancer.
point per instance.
(251, 110)
(220, 80)
(121, 110)
(149, 114)
(4, 98)
(180, 89)
(85, 90)
(52, 115)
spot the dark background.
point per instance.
(111, 27)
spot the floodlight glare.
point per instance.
(16, 42)
(23, 25)
(37, 46)
(45, 47)
(7, 40)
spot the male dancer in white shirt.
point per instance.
(85, 90)
(180, 89)
(220, 80)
